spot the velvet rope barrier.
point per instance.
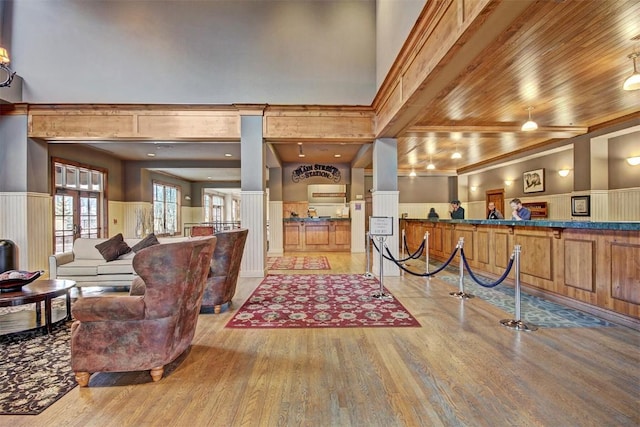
(397, 262)
(478, 281)
(421, 248)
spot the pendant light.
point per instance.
(529, 125)
(633, 81)
(430, 166)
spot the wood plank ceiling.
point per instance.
(566, 59)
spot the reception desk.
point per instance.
(593, 266)
(317, 234)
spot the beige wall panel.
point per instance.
(468, 243)
(536, 256)
(503, 252)
(319, 127)
(292, 234)
(443, 36)
(435, 238)
(343, 234)
(390, 106)
(82, 126)
(316, 234)
(483, 246)
(625, 272)
(212, 126)
(579, 264)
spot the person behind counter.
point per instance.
(519, 213)
(493, 212)
(456, 211)
(433, 214)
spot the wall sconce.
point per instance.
(529, 125)
(412, 173)
(634, 161)
(508, 182)
(474, 188)
(633, 81)
(563, 172)
(4, 66)
(187, 197)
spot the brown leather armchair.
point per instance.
(140, 332)
(220, 286)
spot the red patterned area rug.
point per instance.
(320, 301)
(298, 263)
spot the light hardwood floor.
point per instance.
(461, 368)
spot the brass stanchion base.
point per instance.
(382, 296)
(368, 275)
(461, 295)
(518, 324)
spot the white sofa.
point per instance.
(86, 266)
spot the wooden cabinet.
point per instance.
(317, 235)
(538, 209)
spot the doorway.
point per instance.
(76, 214)
(496, 196)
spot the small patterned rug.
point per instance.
(36, 370)
(298, 263)
(320, 301)
(533, 310)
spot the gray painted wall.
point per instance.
(200, 52)
(621, 173)
(394, 21)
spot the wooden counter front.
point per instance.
(595, 270)
(317, 235)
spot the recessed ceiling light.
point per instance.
(151, 154)
(228, 155)
(337, 156)
(209, 177)
(456, 155)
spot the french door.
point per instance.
(76, 214)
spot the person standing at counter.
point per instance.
(519, 212)
(456, 211)
(493, 212)
(433, 214)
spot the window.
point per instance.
(78, 203)
(166, 208)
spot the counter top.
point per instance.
(304, 219)
(587, 225)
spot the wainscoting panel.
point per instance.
(503, 251)
(579, 264)
(483, 246)
(274, 236)
(254, 217)
(623, 204)
(385, 203)
(536, 256)
(625, 274)
(358, 232)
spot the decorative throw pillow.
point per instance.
(113, 248)
(150, 240)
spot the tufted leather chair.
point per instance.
(220, 286)
(140, 332)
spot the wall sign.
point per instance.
(307, 171)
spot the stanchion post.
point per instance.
(426, 256)
(402, 251)
(517, 323)
(461, 293)
(368, 273)
(381, 295)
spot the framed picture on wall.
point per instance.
(580, 205)
(533, 181)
